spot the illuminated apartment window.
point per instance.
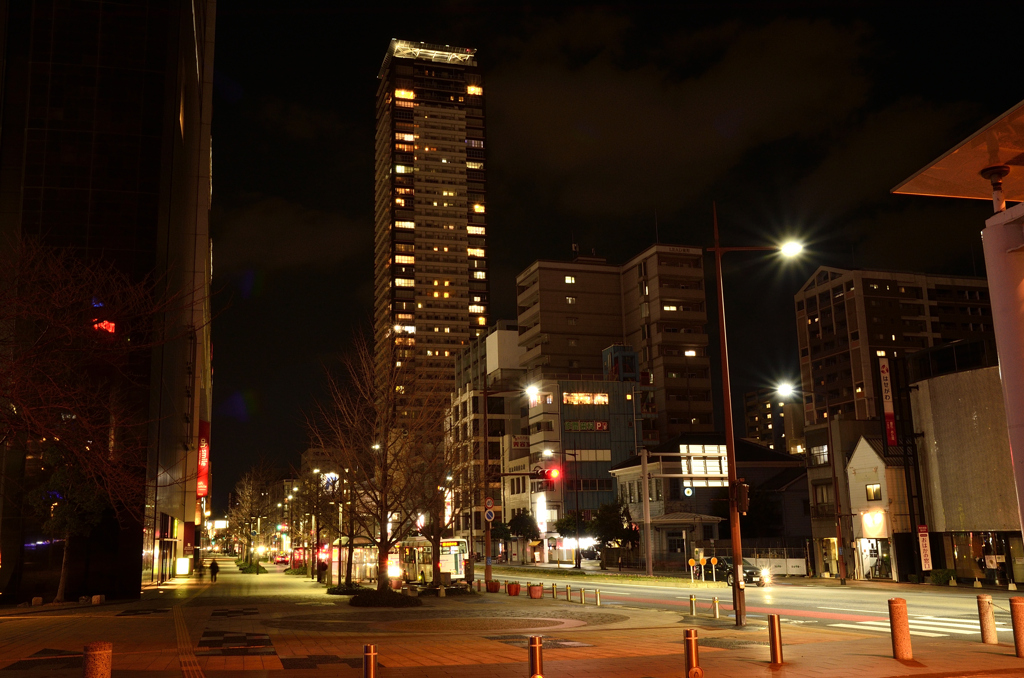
(402, 136)
(570, 300)
(405, 224)
(570, 279)
(475, 90)
(476, 230)
(584, 398)
(474, 165)
(874, 492)
(479, 209)
(403, 169)
(481, 320)
(447, 330)
(404, 259)
(475, 251)
(405, 94)
(476, 308)
(668, 307)
(404, 282)
(690, 353)
(480, 275)
(409, 148)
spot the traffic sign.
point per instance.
(692, 562)
(703, 561)
(687, 491)
(489, 515)
(714, 561)
(488, 503)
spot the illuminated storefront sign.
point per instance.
(203, 476)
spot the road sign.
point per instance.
(714, 561)
(687, 491)
(488, 503)
(489, 515)
(692, 562)
(703, 561)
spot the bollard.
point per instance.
(597, 597)
(774, 639)
(369, 661)
(714, 608)
(536, 657)
(583, 596)
(97, 659)
(692, 660)
(987, 620)
(554, 591)
(440, 592)
(899, 627)
(568, 590)
(693, 605)
(1017, 615)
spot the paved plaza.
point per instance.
(286, 625)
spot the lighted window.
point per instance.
(570, 300)
(667, 307)
(447, 330)
(690, 353)
(475, 143)
(475, 90)
(404, 282)
(476, 230)
(402, 136)
(404, 316)
(479, 209)
(474, 165)
(584, 398)
(400, 202)
(570, 279)
(475, 251)
(480, 275)
(405, 224)
(405, 94)
(403, 169)
(874, 492)
(405, 147)
(481, 320)
(404, 259)
(404, 104)
(476, 308)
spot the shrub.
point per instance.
(942, 577)
(448, 591)
(346, 590)
(387, 598)
(299, 571)
(251, 569)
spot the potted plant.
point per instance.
(513, 588)
(493, 586)
(535, 591)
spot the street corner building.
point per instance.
(431, 280)
(105, 151)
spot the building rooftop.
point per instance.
(406, 49)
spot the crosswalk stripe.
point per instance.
(961, 621)
(920, 627)
(875, 628)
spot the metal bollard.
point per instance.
(568, 591)
(714, 608)
(775, 639)
(536, 657)
(97, 659)
(583, 596)
(987, 620)
(692, 659)
(369, 661)
(1017, 615)
(597, 597)
(899, 627)
(693, 605)
(554, 591)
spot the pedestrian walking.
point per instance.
(214, 569)
(200, 570)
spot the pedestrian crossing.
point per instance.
(928, 626)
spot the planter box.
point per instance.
(535, 592)
(493, 586)
(396, 584)
(513, 589)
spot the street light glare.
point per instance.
(791, 248)
(548, 453)
(785, 389)
(532, 391)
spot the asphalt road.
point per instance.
(933, 611)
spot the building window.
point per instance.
(474, 165)
(874, 492)
(571, 321)
(570, 279)
(584, 398)
(405, 224)
(476, 230)
(404, 259)
(475, 251)
(404, 282)
(570, 300)
(480, 275)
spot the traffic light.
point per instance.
(546, 474)
(742, 497)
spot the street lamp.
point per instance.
(788, 249)
(785, 390)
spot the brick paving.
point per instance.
(285, 625)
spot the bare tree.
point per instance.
(389, 438)
(249, 517)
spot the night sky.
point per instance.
(602, 121)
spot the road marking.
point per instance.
(186, 656)
(850, 609)
(913, 633)
(924, 627)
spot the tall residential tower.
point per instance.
(430, 263)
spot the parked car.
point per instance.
(591, 554)
(281, 559)
(723, 571)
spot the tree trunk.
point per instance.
(435, 548)
(351, 551)
(64, 565)
(382, 567)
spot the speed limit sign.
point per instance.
(488, 503)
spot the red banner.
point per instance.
(203, 476)
(890, 415)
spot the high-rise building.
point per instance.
(431, 280)
(845, 319)
(105, 152)
(569, 312)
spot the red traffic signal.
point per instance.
(546, 473)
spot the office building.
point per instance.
(569, 312)
(845, 318)
(430, 251)
(105, 151)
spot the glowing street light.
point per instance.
(791, 248)
(785, 390)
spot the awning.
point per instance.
(536, 543)
(955, 174)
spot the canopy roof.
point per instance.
(955, 174)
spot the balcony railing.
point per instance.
(823, 511)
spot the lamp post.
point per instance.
(788, 249)
(314, 561)
(787, 389)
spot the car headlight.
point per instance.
(766, 572)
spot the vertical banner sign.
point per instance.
(890, 415)
(926, 548)
(203, 476)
